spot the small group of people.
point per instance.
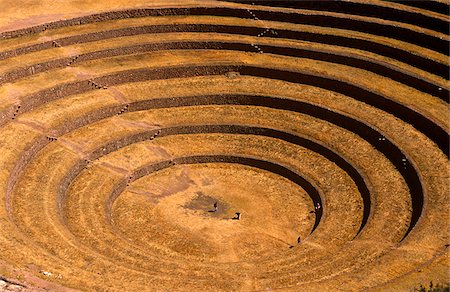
(237, 214)
(317, 207)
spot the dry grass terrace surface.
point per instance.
(123, 124)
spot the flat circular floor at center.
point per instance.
(174, 208)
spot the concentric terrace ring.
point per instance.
(225, 145)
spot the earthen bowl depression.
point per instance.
(132, 133)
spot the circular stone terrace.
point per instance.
(224, 145)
